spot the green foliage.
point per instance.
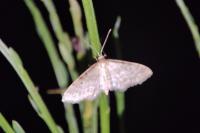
(88, 109)
(15, 61)
(43, 32)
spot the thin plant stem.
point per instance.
(71, 119)
(45, 36)
(191, 23)
(120, 101)
(17, 127)
(96, 46)
(14, 59)
(66, 52)
(7, 128)
(119, 96)
(76, 14)
(92, 26)
(104, 114)
(87, 119)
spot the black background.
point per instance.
(153, 33)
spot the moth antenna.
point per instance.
(104, 43)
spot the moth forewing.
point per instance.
(86, 87)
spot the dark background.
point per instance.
(153, 33)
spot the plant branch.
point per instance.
(7, 128)
(14, 59)
(191, 23)
(64, 41)
(96, 46)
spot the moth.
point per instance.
(104, 76)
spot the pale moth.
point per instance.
(106, 75)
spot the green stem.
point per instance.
(71, 119)
(120, 103)
(16, 63)
(87, 119)
(45, 36)
(96, 46)
(76, 14)
(104, 114)
(92, 26)
(191, 23)
(120, 96)
(66, 52)
(17, 127)
(5, 125)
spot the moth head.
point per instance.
(101, 57)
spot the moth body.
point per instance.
(104, 76)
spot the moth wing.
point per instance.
(126, 74)
(86, 87)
